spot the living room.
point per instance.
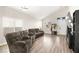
(35, 29)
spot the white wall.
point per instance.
(31, 23)
(62, 27)
(2, 38)
(1, 31)
(62, 12)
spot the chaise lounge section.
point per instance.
(17, 42)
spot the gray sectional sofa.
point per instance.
(22, 41)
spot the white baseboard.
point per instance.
(61, 34)
(2, 44)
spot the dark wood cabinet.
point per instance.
(54, 32)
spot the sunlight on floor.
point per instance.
(57, 40)
(47, 42)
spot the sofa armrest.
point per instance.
(20, 43)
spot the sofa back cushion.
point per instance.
(37, 30)
(12, 37)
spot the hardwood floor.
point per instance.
(51, 44)
(46, 44)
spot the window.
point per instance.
(18, 23)
(8, 22)
(11, 22)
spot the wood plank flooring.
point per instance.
(46, 44)
(51, 44)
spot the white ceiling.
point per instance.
(39, 12)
